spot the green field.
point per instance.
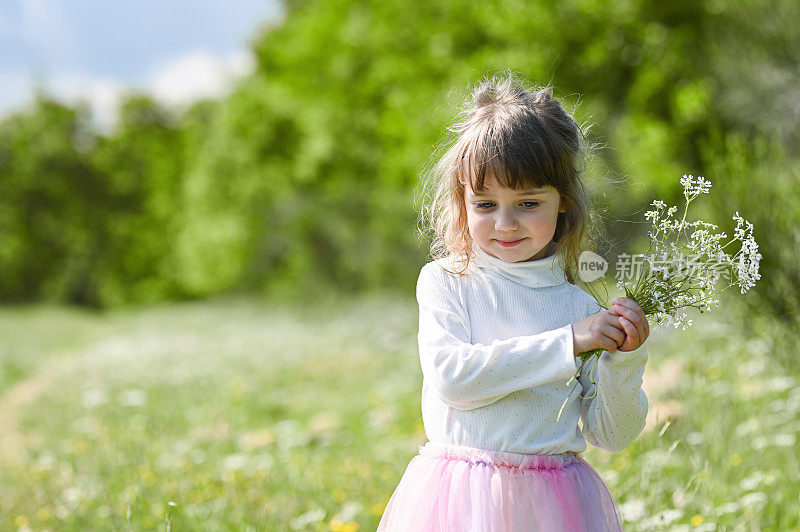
(250, 416)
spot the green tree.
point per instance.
(304, 177)
(52, 206)
(142, 162)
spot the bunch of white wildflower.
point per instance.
(686, 260)
(684, 264)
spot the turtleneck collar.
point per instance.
(541, 273)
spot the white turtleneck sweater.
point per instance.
(496, 350)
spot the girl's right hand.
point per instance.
(599, 331)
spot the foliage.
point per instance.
(53, 205)
(142, 165)
(744, 166)
(303, 178)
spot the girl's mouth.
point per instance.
(509, 243)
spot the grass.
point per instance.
(250, 416)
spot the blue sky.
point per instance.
(177, 50)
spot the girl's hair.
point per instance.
(522, 137)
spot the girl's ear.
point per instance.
(562, 207)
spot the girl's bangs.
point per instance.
(511, 165)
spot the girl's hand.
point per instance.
(599, 331)
(632, 319)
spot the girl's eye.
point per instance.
(484, 205)
(530, 204)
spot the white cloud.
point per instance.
(198, 75)
(177, 83)
(101, 95)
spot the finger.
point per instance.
(608, 344)
(611, 317)
(631, 331)
(641, 324)
(635, 319)
(632, 306)
(609, 322)
(616, 333)
(609, 333)
(641, 327)
(628, 303)
(625, 311)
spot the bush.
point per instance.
(762, 180)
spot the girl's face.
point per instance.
(512, 225)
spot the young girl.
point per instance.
(501, 324)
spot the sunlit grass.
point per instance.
(252, 416)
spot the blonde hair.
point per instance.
(523, 138)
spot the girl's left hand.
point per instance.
(633, 320)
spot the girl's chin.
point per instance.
(514, 255)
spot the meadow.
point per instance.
(236, 414)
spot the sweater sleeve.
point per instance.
(469, 375)
(613, 410)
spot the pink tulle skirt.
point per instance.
(449, 488)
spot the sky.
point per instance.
(176, 50)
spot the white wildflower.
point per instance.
(671, 280)
(633, 510)
(757, 498)
(728, 508)
(694, 187)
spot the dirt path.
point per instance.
(657, 383)
(13, 402)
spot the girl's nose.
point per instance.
(505, 221)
